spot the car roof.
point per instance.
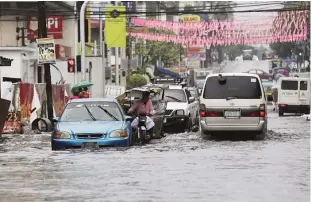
(234, 74)
(294, 79)
(178, 87)
(93, 100)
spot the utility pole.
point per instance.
(102, 52)
(82, 39)
(42, 33)
(117, 80)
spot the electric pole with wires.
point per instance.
(42, 33)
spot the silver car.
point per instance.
(233, 102)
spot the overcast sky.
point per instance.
(255, 5)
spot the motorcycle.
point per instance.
(143, 135)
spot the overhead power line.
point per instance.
(197, 8)
(156, 13)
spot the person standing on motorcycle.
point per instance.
(143, 107)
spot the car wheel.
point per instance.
(261, 136)
(188, 125)
(131, 140)
(281, 112)
(54, 147)
(205, 135)
(196, 126)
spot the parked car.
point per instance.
(92, 123)
(262, 74)
(182, 109)
(233, 102)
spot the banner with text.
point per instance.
(26, 96)
(58, 98)
(115, 27)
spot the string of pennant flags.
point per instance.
(286, 27)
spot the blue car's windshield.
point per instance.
(91, 111)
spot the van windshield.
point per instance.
(201, 77)
(289, 85)
(174, 95)
(239, 87)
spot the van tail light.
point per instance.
(213, 114)
(202, 110)
(202, 113)
(262, 110)
(282, 105)
(253, 114)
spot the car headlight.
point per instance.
(117, 133)
(180, 112)
(62, 135)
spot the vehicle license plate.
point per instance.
(164, 121)
(89, 144)
(232, 113)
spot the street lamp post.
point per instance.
(82, 39)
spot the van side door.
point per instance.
(304, 98)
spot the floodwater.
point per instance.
(180, 167)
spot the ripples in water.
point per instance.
(179, 167)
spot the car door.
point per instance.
(303, 93)
(191, 106)
(289, 92)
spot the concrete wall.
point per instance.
(8, 34)
(22, 64)
(8, 30)
(95, 76)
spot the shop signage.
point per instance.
(54, 25)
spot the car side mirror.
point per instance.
(55, 119)
(128, 118)
(191, 99)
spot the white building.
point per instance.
(64, 30)
(24, 64)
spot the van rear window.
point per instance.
(239, 87)
(289, 85)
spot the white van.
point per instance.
(233, 102)
(294, 95)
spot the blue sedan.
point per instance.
(92, 122)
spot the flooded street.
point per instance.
(179, 167)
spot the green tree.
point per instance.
(136, 80)
(169, 53)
